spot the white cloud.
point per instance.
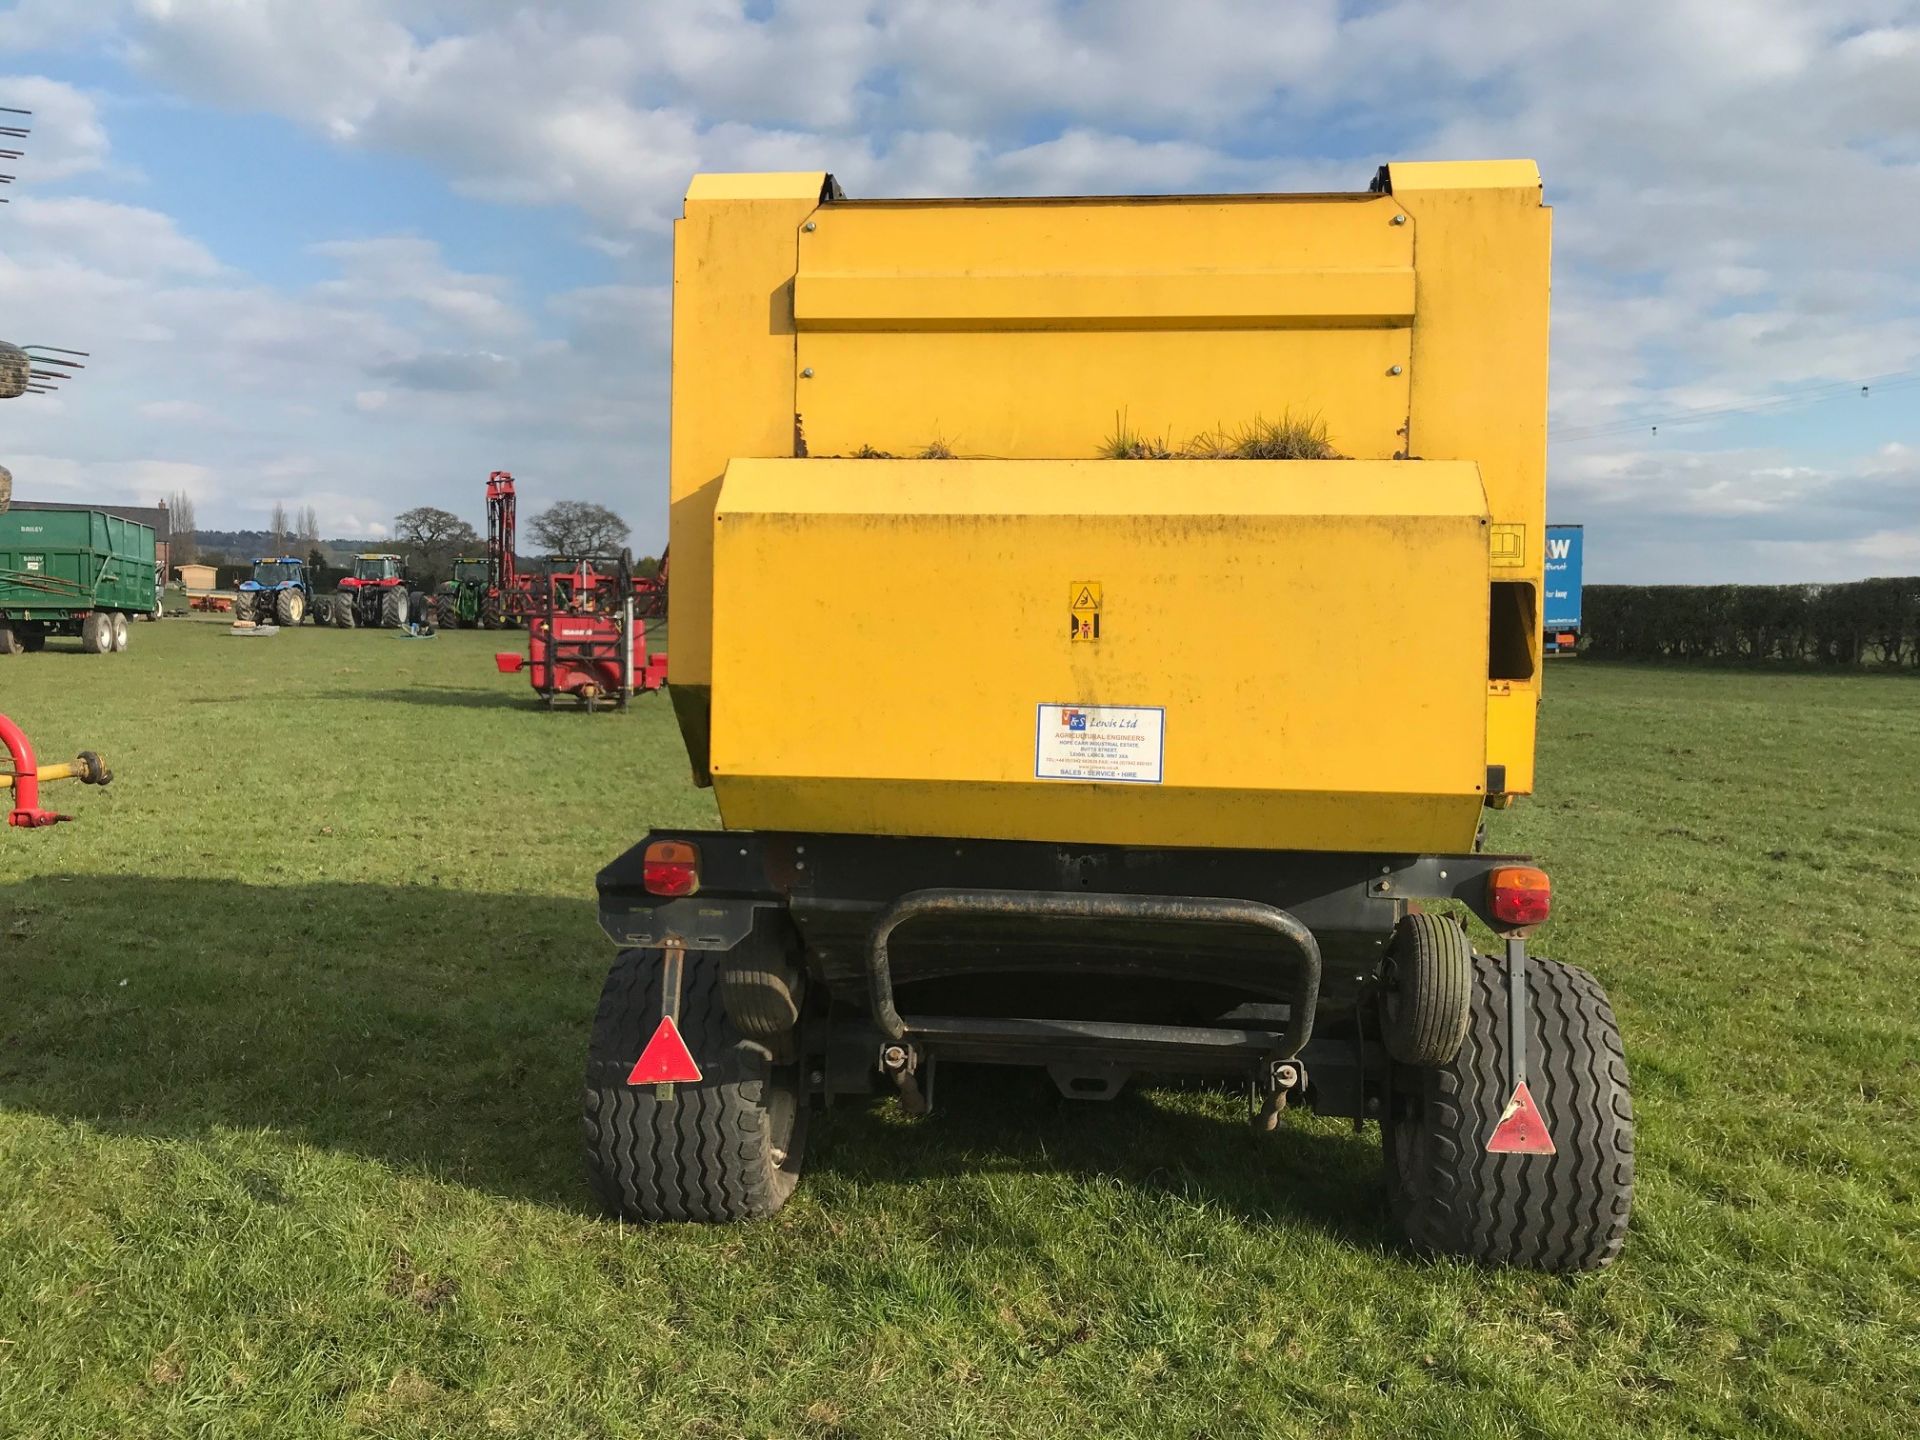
(66, 136)
(122, 239)
(1736, 183)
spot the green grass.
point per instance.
(294, 1016)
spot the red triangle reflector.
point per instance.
(666, 1060)
(1522, 1129)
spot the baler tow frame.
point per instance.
(28, 775)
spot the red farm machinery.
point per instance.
(376, 594)
(587, 635)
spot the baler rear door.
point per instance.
(1274, 655)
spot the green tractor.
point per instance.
(462, 601)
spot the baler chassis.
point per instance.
(1294, 974)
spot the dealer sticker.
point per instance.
(1121, 743)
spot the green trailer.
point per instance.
(72, 572)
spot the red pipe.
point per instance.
(26, 779)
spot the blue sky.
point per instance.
(358, 254)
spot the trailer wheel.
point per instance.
(343, 615)
(393, 609)
(1561, 1212)
(12, 641)
(290, 607)
(120, 630)
(1427, 988)
(726, 1147)
(96, 634)
(761, 992)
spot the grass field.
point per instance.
(292, 1021)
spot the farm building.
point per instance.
(196, 579)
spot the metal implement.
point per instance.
(1295, 942)
(28, 774)
(1036, 556)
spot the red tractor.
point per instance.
(376, 594)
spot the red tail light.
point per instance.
(670, 867)
(1519, 895)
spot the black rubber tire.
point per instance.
(343, 615)
(121, 631)
(1561, 1212)
(243, 606)
(393, 609)
(492, 612)
(1426, 990)
(446, 611)
(727, 1147)
(761, 992)
(96, 634)
(12, 641)
(289, 607)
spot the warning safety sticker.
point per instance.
(1100, 742)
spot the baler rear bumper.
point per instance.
(1028, 952)
(1273, 926)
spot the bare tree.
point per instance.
(578, 527)
(278, 525)
(307, 526)
(186, 548)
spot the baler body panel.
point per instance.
(868, 648)
(867, 681)
(1033, 334)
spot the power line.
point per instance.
(1807, 395)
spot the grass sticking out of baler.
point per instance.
(1291, 437)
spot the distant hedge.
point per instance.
(1863, 622)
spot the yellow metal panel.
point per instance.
(1411, 175)
(807, 185)
(886, 633)
(1482, 248)
(1222, 299)
(733, 260)
(1061, 393)
(1024, 329)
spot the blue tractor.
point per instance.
(278, 594)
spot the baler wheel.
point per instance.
(1428, 988)
(725, 1147)
(1557, 1212)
